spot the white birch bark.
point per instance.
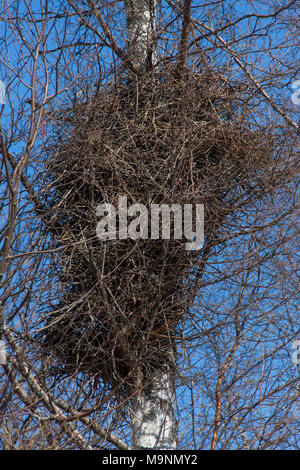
(153, 421)
(141, 16)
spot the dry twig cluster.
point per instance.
(158, 139)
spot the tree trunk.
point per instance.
(141, 16)
(153, 420)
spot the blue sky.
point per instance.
(267, 319)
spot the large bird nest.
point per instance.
(159, 139)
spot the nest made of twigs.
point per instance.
(155, 140)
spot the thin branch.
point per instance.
(183, 48)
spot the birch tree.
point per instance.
(154, 423)
(141, 19)
(101, 73)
